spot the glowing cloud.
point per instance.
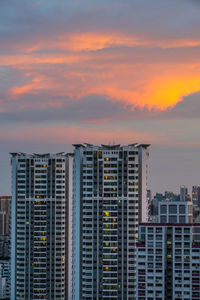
(75, 68)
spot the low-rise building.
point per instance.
(168, 257)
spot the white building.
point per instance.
(69, 170)
(168, 261)
(109, 201)
(38, 227)
(175, 212)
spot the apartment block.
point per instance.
(175, 212)
(168, 260)
(109, 201)
(39, 226)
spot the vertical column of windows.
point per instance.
(110, 284)
(88, 220)
(60, 234)
(21, 229)
(40, 229)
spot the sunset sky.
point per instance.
(102, 71)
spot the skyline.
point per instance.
(108, 72)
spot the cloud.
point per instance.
(159, 86)
(137, 53)
(99, 71)
(188, 108)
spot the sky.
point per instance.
(104, 71)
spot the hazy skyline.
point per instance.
(102, 72)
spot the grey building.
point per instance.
(4, 247)
(5, 215)
(109, 201)
(175, 212)
(4, 279)
(38, 227)
(168, 260)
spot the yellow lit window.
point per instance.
(106, 213)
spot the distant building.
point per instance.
(196, 195)
(154, 205)
(171, 196)
(184, 196)
(4, 279)
(4, 247)
(5, 214)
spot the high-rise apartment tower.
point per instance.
(109, 201)
(38, 227)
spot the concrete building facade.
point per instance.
(109, 201)
(38, 227)
(168, 258)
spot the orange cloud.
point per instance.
(126, 79)
(92, 41)
(159, 91)
(96, 41)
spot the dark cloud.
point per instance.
(188, 108)
(89, 109)
(23, 21)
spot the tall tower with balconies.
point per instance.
(38, 227)
(109, 201)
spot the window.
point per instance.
(181, 219)
(172, 219)
(163, 219)
(163, 209)
(182, 209)
(172, 209)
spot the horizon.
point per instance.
(151, 179)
